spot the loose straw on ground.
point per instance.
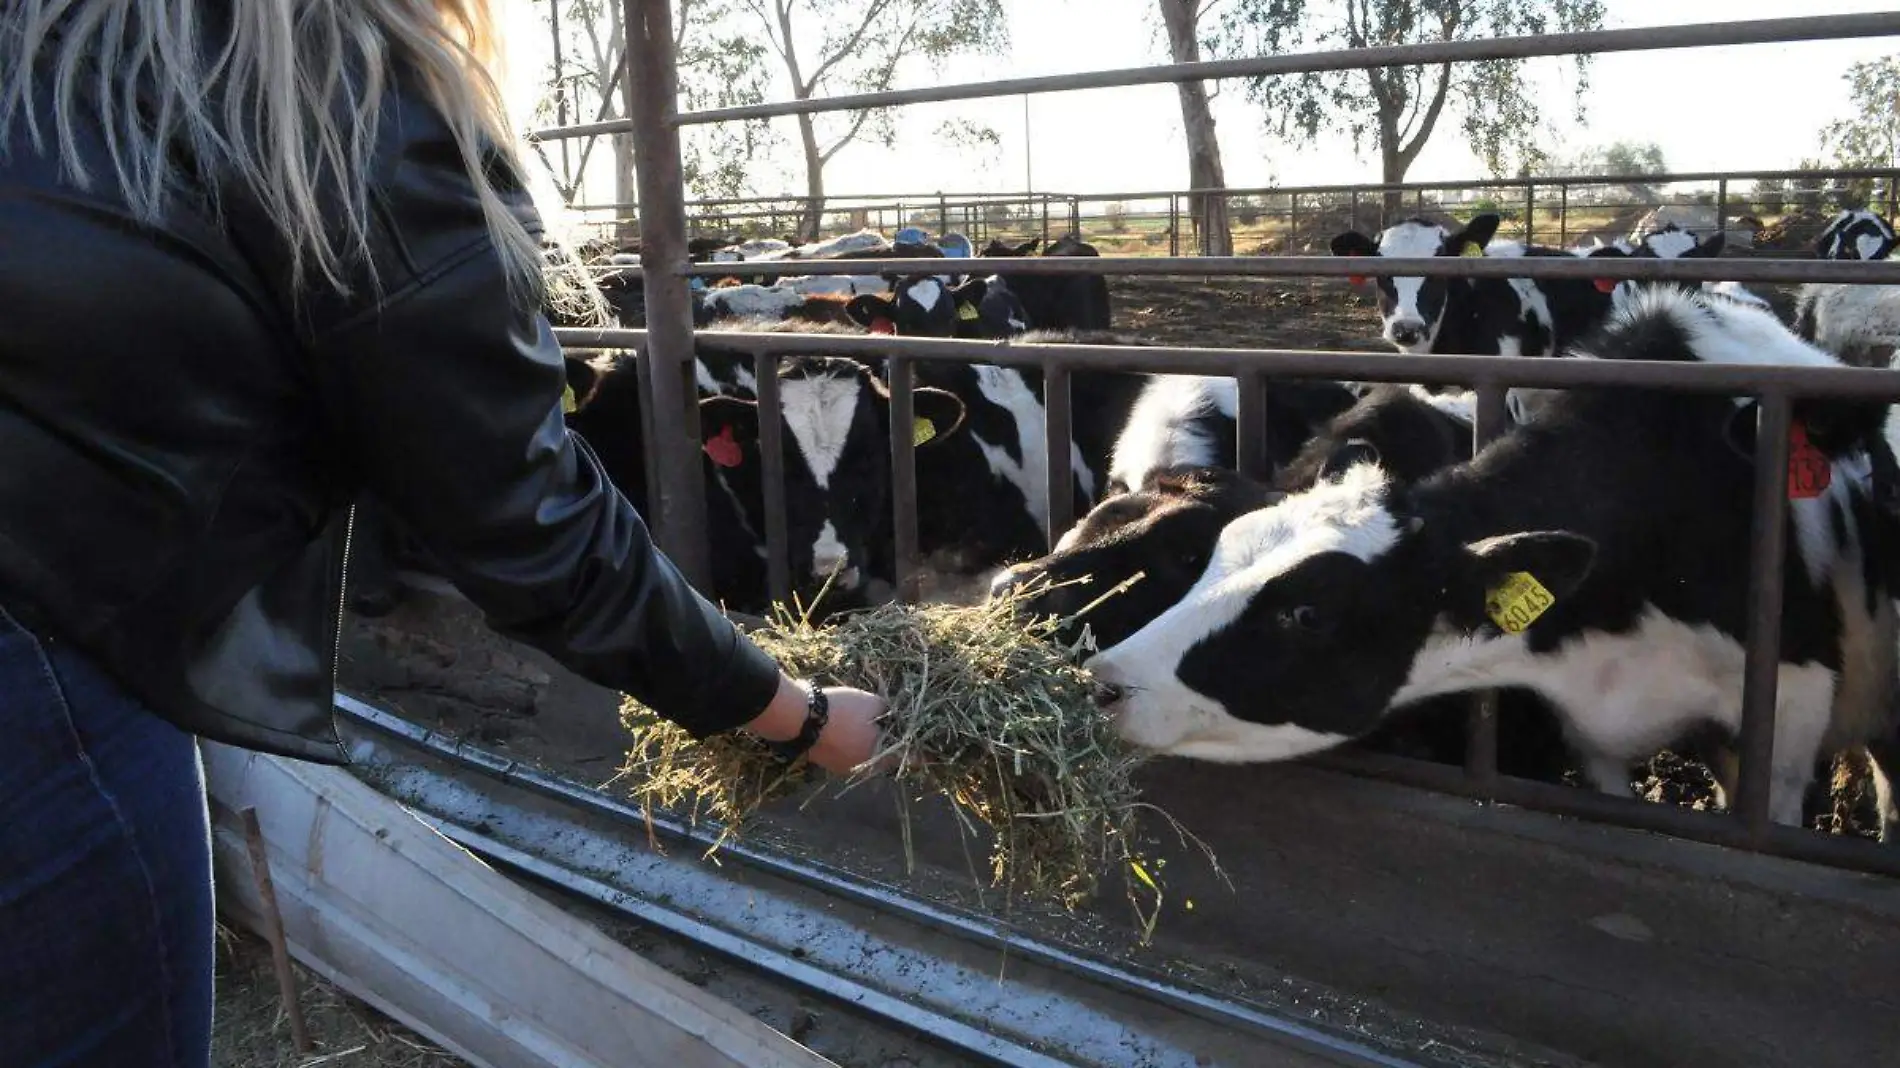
(986, 709)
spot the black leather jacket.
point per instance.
(179, 446)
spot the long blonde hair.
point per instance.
(287, 99)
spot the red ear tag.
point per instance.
(1809, 473)
(1606, 285)
(1355, 279)
(881, 325)
(725, 450)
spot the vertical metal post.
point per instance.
(1029, 170)
(679, 497)
(1767, 545)
(1075, 216)
(1721, 206)
(1056, 445)
(1251, 453)
(943, 213)
(904, 476)
(1293, 218)
(778, 568)
(1481, 729)
(1174, 225)
(1530, 210)
(1354, 208)
(1045, 220)
(1563, 214)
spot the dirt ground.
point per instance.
(252, 1030)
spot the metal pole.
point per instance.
(1481, 729)
(778, 572)
(1056, 444)
(943, 214)
(1563, 214)
(903, 381)
(679, 505)
(1530, 210)
(1253, 456)
(1761, 665)
(1029, 172)
(1721, 206)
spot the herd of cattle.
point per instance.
(1590, 563)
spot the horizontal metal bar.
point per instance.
(847, 202)
(1536, 372)
(1640, 39)
(1714, 828)
(1720, 269)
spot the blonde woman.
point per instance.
(256, 257)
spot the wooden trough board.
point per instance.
(396, 914)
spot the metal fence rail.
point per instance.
(669, 347)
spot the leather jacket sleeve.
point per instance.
(449, 392)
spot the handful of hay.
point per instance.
(985, 709)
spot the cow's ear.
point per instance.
(1710, 248)
(1479, 232)
(936, 415)
(867, 309)
(727, 426)
(1517, 577)
(1353, 243)
(1356, 451)
(972, 291)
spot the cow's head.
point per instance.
(996, 247)
(1414, 308)
(1307, 622)
(920, 305)
(1155, 539)
(1855, 235)
(835, 416)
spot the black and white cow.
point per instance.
(1860, 324)
(925, 306)
(835, 418)
(1474, 316)
(1158, 537)
(1855, 235)
(1596, 555)
(1058, 301)
(1189, 420)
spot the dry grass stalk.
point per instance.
(986, 709)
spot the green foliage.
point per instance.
(1396, 109)
(1871, 137)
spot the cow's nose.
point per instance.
(1107, 694)
(1406, 334)
(1008, 579)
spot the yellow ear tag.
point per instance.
(1472, 250)
(1517, 603)
(966, 310)
(922, 430)
(567, 400)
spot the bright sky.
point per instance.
(1741, 108)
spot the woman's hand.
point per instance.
(851, 731)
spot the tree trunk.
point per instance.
(808, 227)
(1197, 121)
(1392, 168)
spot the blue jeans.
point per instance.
(105, 871)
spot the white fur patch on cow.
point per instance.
(754, 302)
(1004, 387)
(1161, 431)
(819, 411)
(926, 292)
(1671, 244)
(1627, 695)
(1462, 405)
(1869, 245)
(827, 552)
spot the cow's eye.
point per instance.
(1304, 617)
